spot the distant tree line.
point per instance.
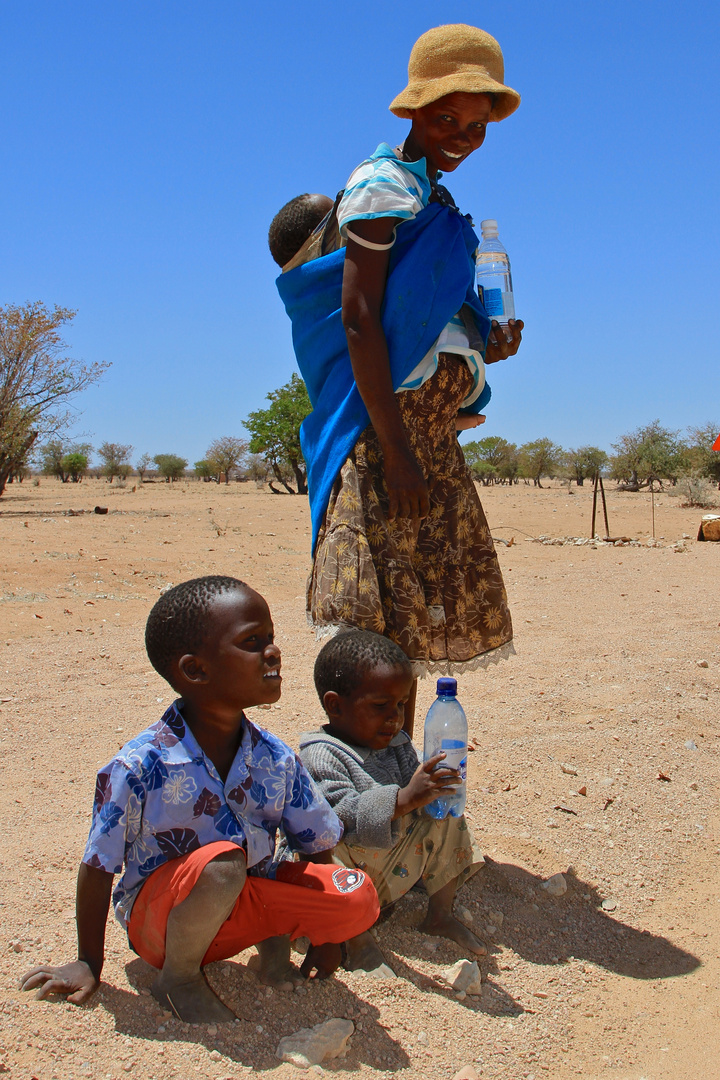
(37, 379)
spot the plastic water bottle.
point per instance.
(446, 731)
(494, 280)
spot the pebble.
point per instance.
(212, 1029)
(467, 1073)
(609, 905)
(702, 663)
(310, 1046)
(569, 770)
(690, 745)
(464, 975)
(215, 1055)
(555, 885)
(496, 918)
(693, 785)
(383, 971)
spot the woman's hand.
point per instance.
(75, 980)
(428, 783)
(498, 347)
(407, 491)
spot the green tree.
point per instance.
(275, 433)
(540, 458)
(702, 459)
(206, 470)
(114, 456)
(226, 455)
(170, 466)
(37, 380)
(53, 456)
(491, 458)
(648, 454)
(74, 465)
(584, 462)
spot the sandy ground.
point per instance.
(616, 680)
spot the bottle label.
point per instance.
(492, 300)
(455, 755)
(508, 301)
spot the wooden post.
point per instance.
(595, 489)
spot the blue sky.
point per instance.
(146, 146)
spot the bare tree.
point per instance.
(225, 454)
(37, 379)
(143, 465)
(114, 457)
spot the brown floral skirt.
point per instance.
(433, 586)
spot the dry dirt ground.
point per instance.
(615, 682)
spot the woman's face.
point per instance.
(447, 131)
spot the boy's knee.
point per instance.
(361, 906)
(227, 870)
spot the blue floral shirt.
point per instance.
(161, 797)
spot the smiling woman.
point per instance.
(401, 545)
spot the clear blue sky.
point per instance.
(146, 146)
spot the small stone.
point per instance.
(555, 885)
(569, 770)
(582, 790)
(466, 1073)
(690, 745)
(464, 975)
(693, 785)
(383, 971)
(609, 905)
(496, 917)
(215, 1055)
(212, 1029)
(540, 994)
(310, 1046)
(17, 946)
(702, 663)
(422, 1037)
(465, 915)
(128, 1066)
(460, 995)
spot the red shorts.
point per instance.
(320, 901)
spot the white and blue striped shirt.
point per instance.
(385, 186)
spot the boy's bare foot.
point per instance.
(363, 953)
(273, 966)
(447, 926)
(191, 1000)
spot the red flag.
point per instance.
(716, 444)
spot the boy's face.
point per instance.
(239, 664)
(373, 714)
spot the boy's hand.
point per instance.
(427, 783)
(76, 980)
(499, 347)
(326, 958)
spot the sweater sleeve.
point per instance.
(365, 807)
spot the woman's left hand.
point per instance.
(498, 347)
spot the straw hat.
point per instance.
(455, 58)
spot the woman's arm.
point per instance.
(364, 281)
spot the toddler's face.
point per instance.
(373, 714)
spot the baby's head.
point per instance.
(295, 224)
(363, 681)
(212, 639)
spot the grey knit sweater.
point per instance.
(360, 784)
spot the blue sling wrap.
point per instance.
(430, 276)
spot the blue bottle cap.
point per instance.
(447, 687)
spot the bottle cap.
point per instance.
(447, 687)
(489, 228)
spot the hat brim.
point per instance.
(424, 91)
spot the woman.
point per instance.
(402, 546)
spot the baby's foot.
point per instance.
(447, 926)
(363, 953)
(191, 1000)
(273, 966)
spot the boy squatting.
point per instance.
(187, 813)
(368, 770)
